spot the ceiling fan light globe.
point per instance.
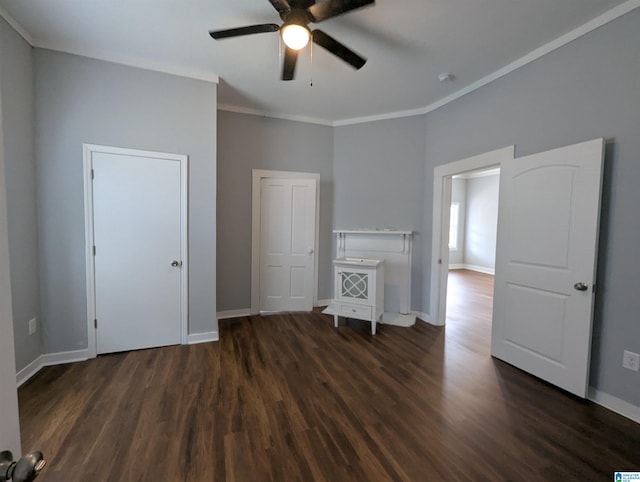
(295, 36)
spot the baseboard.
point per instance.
(49, 359)
(195, 338)
(473, 267)
(223, 315)
(614, 404)
(423, 317)
(30, 370)
(457, 266)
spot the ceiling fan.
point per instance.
(295, 32)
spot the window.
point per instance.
(453, 226)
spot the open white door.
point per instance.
(287, 244)
(546, 261)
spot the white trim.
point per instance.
(296, 118)
(88, 150)
(441, 199)
(549, 47)
(29, 371)
(224, 315)
(256, 176)
(326, 302)
(614, 404)
(473, 267)
(50, 359)
(372, 231)
(127, 60)
(424, 317)
(16, 26)
(131, 61)
(196, 338)
(474, 175)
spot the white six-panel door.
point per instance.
(137, 237)
(287, 244)
(545, 263)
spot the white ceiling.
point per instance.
(408, 43)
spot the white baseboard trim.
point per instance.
(195, 338)
(473, 267)
(30, 370)
(323, 302)
(49, 359)
(223, 315)
(614, 404)
(424, 317)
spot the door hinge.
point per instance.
(93, 175)
(94, 250)
(440, 261)
(95, 324)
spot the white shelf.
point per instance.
(371, 231)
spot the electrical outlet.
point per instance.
(33, 326)
(631, 360)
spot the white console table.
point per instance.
(359, 290)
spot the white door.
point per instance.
(137, 237)
(287, 244)
(545, 264)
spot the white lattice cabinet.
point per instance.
(359, 289)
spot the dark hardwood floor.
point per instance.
(290, 398)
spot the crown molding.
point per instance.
(261, 113)
(132, 61)
(547, 48)
(16, 26)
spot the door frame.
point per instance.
(442, 176)
(257, 175)
(88, 151)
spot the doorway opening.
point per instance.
(462, 244)
(472, 232)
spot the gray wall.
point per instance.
(80, 100)
(9, 428)
(247, 142)
(16, 57)
(379, 172)
(481, 221)
(459, 195)
(586, 89)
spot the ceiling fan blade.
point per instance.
(281, 5)
(289, 65)
(237, 32)
(332, 8)
(338, 49)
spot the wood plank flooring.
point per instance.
(290, 398)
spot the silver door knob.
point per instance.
(176, 263)
(580, 286)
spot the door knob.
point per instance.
(176, 263)
(25, 469)
(310, 251)
(580, 286)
